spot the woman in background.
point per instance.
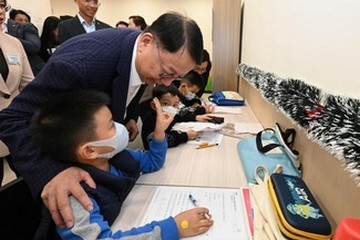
(15, 74)
(204, 70)
(49, 37)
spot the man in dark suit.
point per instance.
(83, 22)
(115, 61)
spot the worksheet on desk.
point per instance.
(225, 205)
(213, 137)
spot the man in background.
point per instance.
(137, 22)
(83, 22)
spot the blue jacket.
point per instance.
(111, 190)
(99, 60)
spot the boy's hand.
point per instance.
(163, 121)
(192, 134)
(132, 128)
(193, 222)
(209, 108)
(203, 118)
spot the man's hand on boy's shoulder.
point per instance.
(163, 120)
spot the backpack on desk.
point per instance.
(227, 98)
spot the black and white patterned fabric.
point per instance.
(332, 121)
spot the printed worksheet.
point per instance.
(225, 205)
(213, 137)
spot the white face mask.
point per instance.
(170, 109)
(190, 95)
(118, 142)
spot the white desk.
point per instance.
(186, 166)
(218, 166)
(134, 207)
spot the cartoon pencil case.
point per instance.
(298, 214)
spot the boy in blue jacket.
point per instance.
(78, 126)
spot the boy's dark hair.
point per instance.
(160, 90)
(193, 78)
(15, 12)
(65, 121)
(174, 31)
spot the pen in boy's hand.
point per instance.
(194, 201)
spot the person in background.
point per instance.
(19, 16)
(83, 22)
(169, 97)
(122, 24)
(137, 22)
(79, 126)
(15, 74)
(204, 70)
(49, 37)
(65, 17)
(28, 35)
(115, 61)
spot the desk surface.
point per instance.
(134, 207)
(186, 166)
(217, 166)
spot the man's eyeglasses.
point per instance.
(94, 2)
(5, 7)
(163, 73)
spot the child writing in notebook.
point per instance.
(169, 98)
(78, 126)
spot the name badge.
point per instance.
(13, 59)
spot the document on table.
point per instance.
(225, 205)
(227, 109)
(196, 126)
(210, 137)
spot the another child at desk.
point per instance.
(78, 127)
(169, 97)
(189, 86)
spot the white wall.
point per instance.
(112, 11)
(317, 41)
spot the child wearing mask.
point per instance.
(189, 86)
(78, 127)
(169, 98)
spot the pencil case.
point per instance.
(298, 214)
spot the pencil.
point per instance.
(206, 146)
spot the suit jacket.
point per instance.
(73, 27)
(100, 61)
(20, 74)
(28, 35)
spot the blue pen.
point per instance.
(194, 201)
